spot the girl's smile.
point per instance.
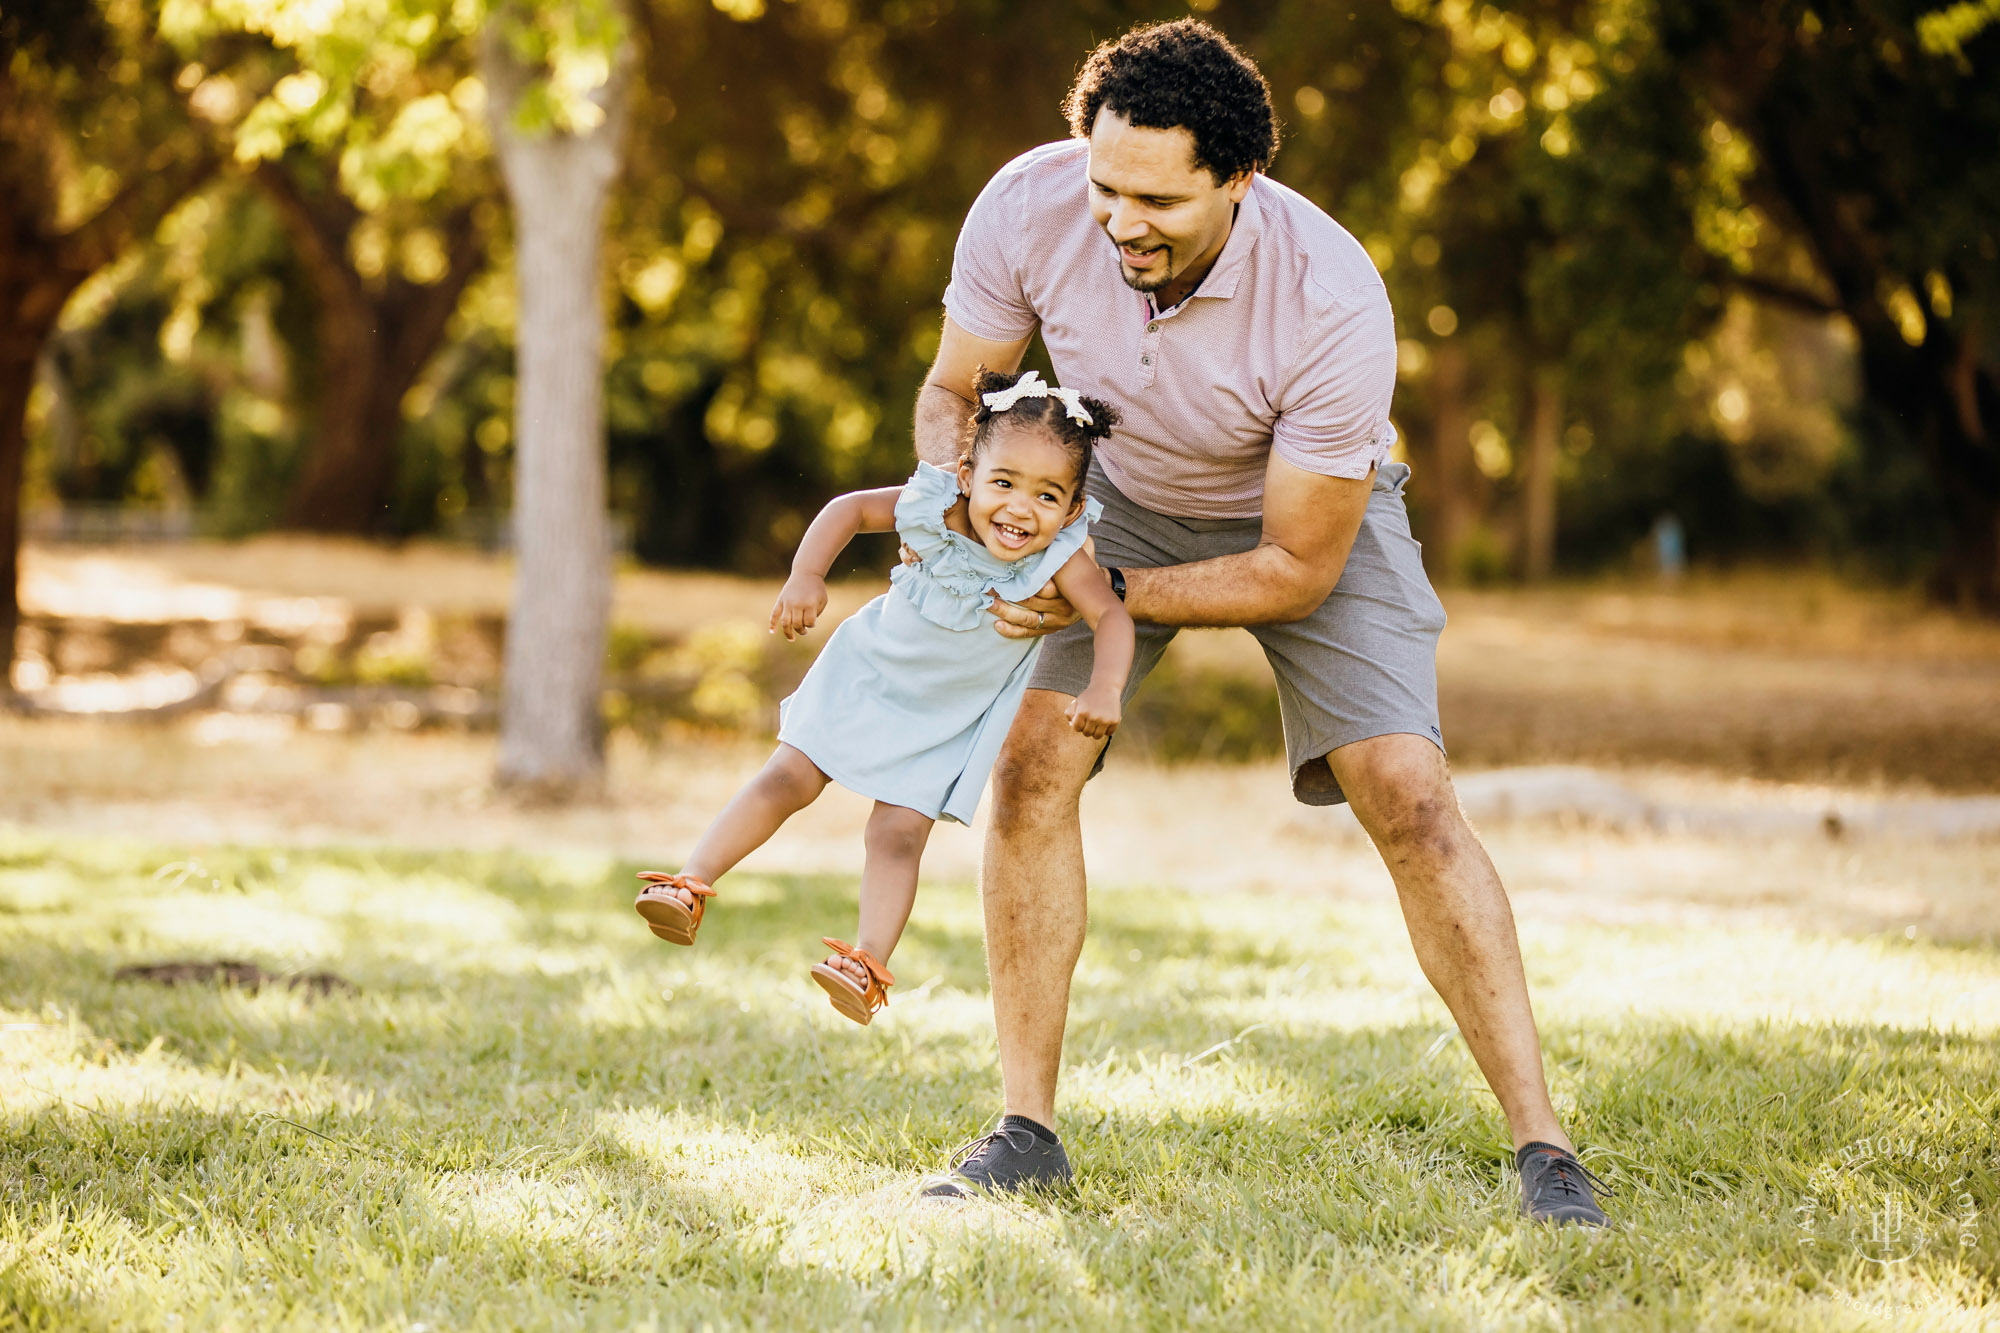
(1009, 536)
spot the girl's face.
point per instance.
(1020, 491)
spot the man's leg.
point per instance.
(1032, 888)
(1458, 916)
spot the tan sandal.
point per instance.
(860, 1003)
(669, 917)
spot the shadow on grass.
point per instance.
(262, 1221)
(514, 1097)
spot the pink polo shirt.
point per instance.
(1288, 343)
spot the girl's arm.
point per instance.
(1097, 711)
(804, 594)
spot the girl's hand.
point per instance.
(799, 603)
(1095, 712)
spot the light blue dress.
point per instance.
(912, 696)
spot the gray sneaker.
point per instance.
(1012, 1159)
(1555, 1187)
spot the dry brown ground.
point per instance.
(1784, 677)
(1227, 827)
(1744, 689)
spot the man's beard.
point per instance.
(1149, 281)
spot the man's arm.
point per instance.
(945, 401)
(1309, 526)
(1310, 522)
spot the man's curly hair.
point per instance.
(1182, 74)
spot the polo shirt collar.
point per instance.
(1235, 256)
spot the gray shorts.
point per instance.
(1364, 664)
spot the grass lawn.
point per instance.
(532, 1114)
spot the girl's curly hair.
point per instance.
(1077, 439)
(1181, 75)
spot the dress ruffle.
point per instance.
(955, 577)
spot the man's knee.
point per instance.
(1026, 794)
(1403, 796)
(1040, 772)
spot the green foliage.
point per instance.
(170, 382)
(1946, 31)
(341, 53)
(572, 45)
(345, 50)
(1873, 156)
(1580, 187)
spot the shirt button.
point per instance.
(1145, 360)
(1152, 328)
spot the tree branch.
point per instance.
(319, 232)
(1781, 293)
(424, 311)
(141, 203)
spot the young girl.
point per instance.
(910, 700)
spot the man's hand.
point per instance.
(800, 602)
(1044, 613)
(1031, 617)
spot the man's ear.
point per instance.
(1238, 185)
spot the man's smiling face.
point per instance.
(1168, 216)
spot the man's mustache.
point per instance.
(1127, 245)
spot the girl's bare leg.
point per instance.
(895, 847)
(787, 784)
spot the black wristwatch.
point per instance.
(1117, 580)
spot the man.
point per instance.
(1248, 341)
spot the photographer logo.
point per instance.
(1890, 1199)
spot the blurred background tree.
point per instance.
(1725, 262)
(102, 133)
(559, 76)
(1874, 167)
(369, 151)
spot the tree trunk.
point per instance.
(1946, 401)
(1538, 479)
(17, 379)
(350, 468)
(1447, 490)
(551, 726)
(372, 343)
(1943, 398)
(1972, 573)
(28, 311)
(42, 262)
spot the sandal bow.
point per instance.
(669, 917)
(875, 994)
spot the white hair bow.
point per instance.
(1030, 386)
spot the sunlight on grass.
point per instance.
(1778, 974)
(726, 1163)
(533, 1114)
